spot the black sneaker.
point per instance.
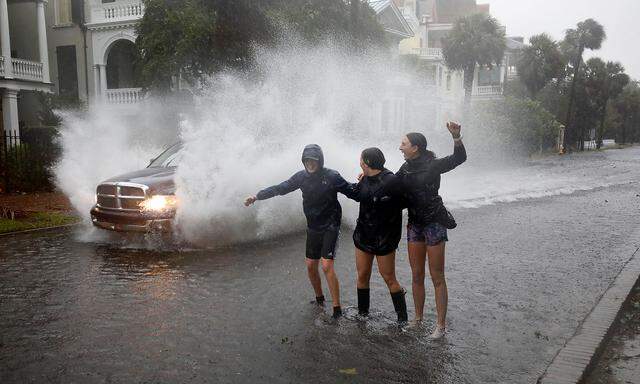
(337, 312)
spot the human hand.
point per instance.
(250, 200)
(360, 176)
(454, 128)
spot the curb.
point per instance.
(40, 229)
(575, 359)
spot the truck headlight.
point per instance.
(158, 203)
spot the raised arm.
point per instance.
(459, 155)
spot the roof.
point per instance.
(513, 44)
(390, 16)
(448, 11)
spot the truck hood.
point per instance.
(159, 180)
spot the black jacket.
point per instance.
(379, 225)
(420, 183)
(319, 191)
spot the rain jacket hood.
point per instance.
(314, 152)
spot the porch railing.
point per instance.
(123, 95)
(23, 69)
(428, 53)
(488, 90)
(117, 11)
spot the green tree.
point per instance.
(475, 40)
(589, 34)
(353, 22)
(627, 105)
(523, 126)
(191, 39)
(604, 81)
(539, 63)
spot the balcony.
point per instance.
(487, 91)
(123, 95)
(428, 53)
(23, 69)
(118, 11)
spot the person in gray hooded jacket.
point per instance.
(320, 187)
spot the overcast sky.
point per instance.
(620, 18)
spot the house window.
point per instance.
(63, 12)
(67, 71)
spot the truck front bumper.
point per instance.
(131, 221)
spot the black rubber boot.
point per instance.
(337, 312)
(400, 305)
(363, 301)
(320, 300)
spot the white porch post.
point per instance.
(96, 82)
(5, 40)
(42, 39)
(103, 81)
(10, 111)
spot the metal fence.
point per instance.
(26, 160)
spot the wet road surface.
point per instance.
(521, 277)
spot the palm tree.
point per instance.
(475, 40)
(539, 63)
(605, 81)
(589, 34)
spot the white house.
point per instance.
(431, 21)
(24, 64)
(92, 49)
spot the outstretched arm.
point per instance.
(283, 188)
(350, 190)
(459, 153)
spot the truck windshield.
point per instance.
(168, 158)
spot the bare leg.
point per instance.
(364, 263)
(436, 270)
(417, 258)
(387, 268)
(314, 276)
(332, 281)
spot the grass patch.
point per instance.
(36, 220)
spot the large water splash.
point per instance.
(245, 133)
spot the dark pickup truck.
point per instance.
(140, 201)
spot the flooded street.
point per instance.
(521, 276)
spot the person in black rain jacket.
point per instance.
(378, 229)
(319, 186)
(428, 217)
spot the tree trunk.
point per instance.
(355, 11)
(469, 74)
(569, 137)
(600, 130)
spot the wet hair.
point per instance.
(374, 158)
(418, 139)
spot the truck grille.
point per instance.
(121, 196)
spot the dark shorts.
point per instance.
(432, 234)
(322, 243)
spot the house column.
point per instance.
(42, 39)
(103, 81)
(5, 41)
(10, 110)
(96, 82)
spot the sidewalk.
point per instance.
(20, 212)
(620, 360)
